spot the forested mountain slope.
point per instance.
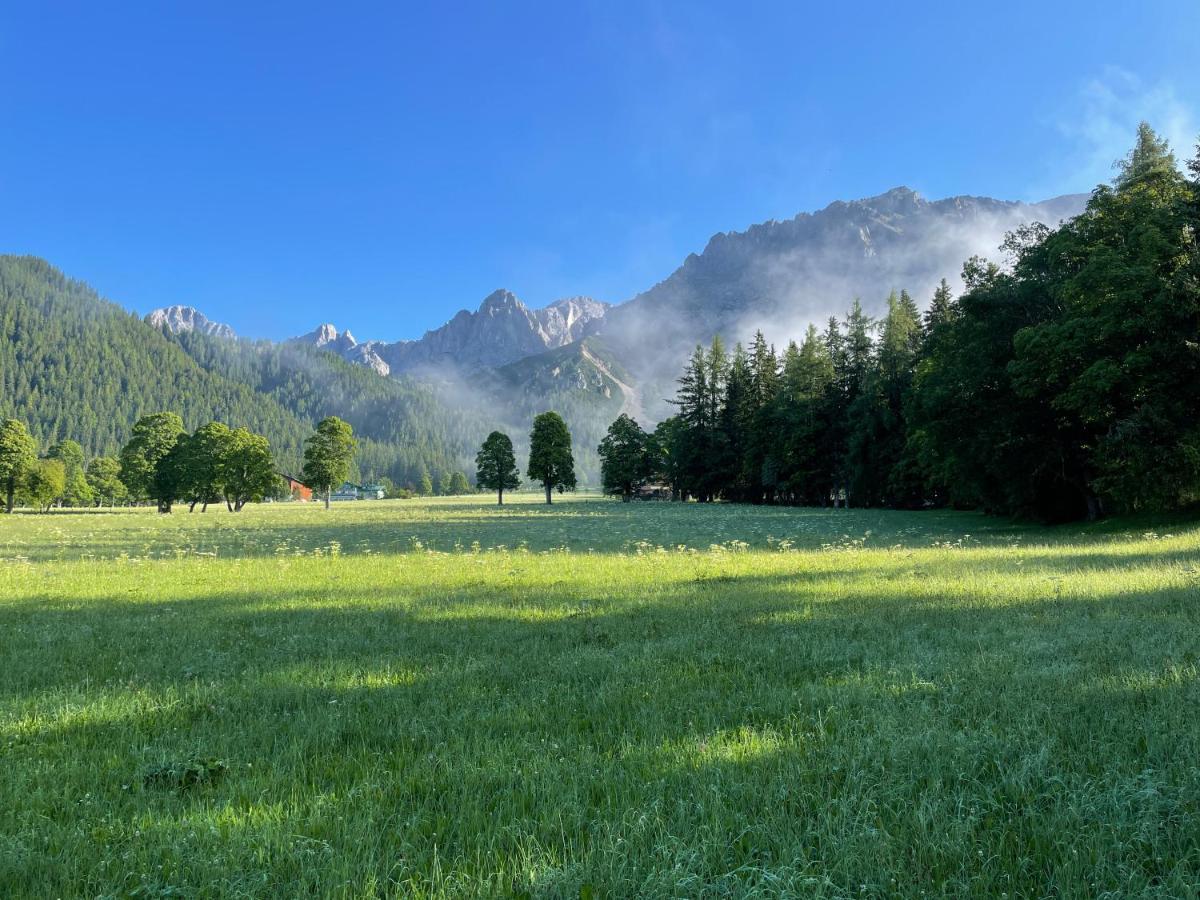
(73, 365)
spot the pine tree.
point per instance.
(941, 308)
(425, 483)
(736, 424)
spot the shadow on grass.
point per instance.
(730, 730)
(587, 526)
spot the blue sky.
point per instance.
(383, 165)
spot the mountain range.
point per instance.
(777, 276)
(426, 403)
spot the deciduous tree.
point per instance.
(43, 483)
(146, 469)
(496, 466)
(18, 452)
(550, 459)
(327, 456)
(625, 460)
(104, 479)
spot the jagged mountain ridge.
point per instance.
(178, 319)
(501, 331)
(779, 276)
(776, 276)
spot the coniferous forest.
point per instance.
(1063, 384)
(74, 366)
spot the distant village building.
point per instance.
(347, 491)
(352, 491)
(296, 488)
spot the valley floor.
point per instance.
(444, 698)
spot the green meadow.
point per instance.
(596, 699)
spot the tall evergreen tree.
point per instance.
(941, 307)
(735, 427)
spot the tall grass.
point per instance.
(604, 699)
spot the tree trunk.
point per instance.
(500, 497)
(328, 491)
(164, 506)
(192, 506)
(626, 496)
(549, 499)
(11, 499)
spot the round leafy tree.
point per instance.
(18, 453)
(327, 456)
(496, 466)
(550, 459)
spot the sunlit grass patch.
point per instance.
(450, 699)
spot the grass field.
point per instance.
(596, 700)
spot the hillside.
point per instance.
(582, 381)
(73, 365)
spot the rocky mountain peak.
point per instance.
(327, 337)
(178, 318)
(324, 334)
(500, 301)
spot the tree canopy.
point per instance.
(149, 461)
(626, 458)
(18, 453)
(328, 454)
(550, 459)
(496, 465)
(1058, 386)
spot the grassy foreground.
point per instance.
(446, 699)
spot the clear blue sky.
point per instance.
(383, 165)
